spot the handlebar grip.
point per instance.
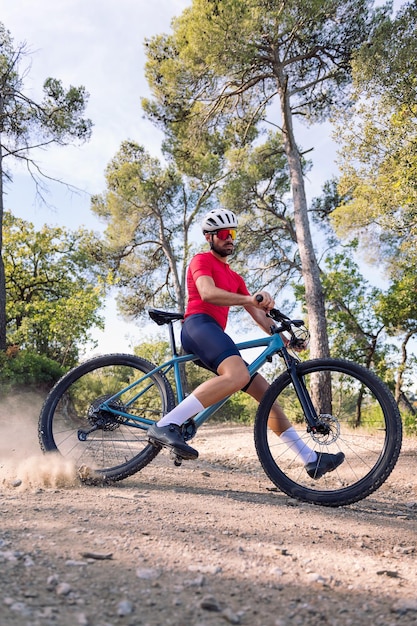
(259, 298)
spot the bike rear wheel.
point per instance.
(363, 422)
(102, 444)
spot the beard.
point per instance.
(221, 251)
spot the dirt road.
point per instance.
(206, 544)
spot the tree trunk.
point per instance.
(319, 346)
(402, 368)
(3, 342)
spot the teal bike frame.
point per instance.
(272, 344)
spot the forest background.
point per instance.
(102, 47)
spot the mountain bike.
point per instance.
(98, 413)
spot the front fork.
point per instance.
(303, 395)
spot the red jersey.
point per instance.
(206, 264)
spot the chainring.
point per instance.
(188, 429)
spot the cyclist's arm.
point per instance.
(265, 323)
(214, 295)
(260, 318)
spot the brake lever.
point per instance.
(278, 316)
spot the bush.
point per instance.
(409, 422)
(27, 369)
(240, 409)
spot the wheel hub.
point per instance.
(327, 430)
(103, 419)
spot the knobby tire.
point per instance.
(364, 423)
(115, 449)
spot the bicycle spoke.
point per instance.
(85, 415)
(357, 415)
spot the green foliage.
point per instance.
(245, 51)
(155, 351)
(27, 369)
(224, 65)
(379, 143)
(361, 318)
(379, 172)
(409, 420)
(62, 112)
(149, 210)
(54, 291)
(356, 330)
(397, 307)
(26, 124)
(240, 409)
(386, 65)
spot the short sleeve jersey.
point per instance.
(206, 264)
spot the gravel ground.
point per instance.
(206, 544)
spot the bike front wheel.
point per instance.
(361, 419)
(106, 445)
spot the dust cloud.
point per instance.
(22, 463)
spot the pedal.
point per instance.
(176, 458)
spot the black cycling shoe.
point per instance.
(171, 436)
(325, 463)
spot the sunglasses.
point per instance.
(224, 233)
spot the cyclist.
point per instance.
(213, 287)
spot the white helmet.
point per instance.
(217, 219)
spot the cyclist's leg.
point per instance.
(232, 375)
(279, 423)
(204, 337)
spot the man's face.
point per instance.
(222, 242)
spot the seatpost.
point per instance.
(172, 339)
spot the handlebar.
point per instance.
(286, 324)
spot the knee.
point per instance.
(234, 373)
(245, 380)
(239, 380)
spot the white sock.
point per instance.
(295, 443)
(189, 407)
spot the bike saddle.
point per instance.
(164, 317)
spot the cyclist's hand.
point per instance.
(297, 345)
(264, 300)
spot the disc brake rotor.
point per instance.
(327, 430)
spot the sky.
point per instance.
(100, 44)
